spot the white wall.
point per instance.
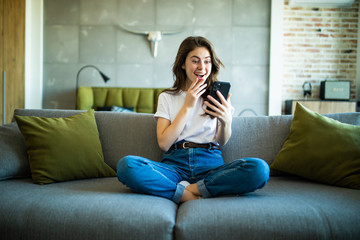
(83, 32)
(275, 75)
(33, 54)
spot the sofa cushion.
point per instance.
(61, 149)
(100, 95)
(13, 158)
(264, 136)
(85, 98)
(321, 149)
(114, 97)
(286, 208)
(91, 209)
(125, 134)
(118, 132)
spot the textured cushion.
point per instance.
(321, 149)
(114, 97)
(260, 137)
(125, 134)
(13, 157)
(89, 209)
(85, 98)
(287, 208)
(99, 97)
(131, 97)
(61, 149)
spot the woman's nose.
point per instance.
(201, 65)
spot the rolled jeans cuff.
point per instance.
(178, 193)
(203, 190)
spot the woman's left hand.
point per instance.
(222, 111)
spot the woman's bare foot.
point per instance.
(193, 188)
(187, 196)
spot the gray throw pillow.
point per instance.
(13, 156)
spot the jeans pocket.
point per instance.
(217, 153)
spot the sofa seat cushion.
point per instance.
(100, 208)
(287, 208)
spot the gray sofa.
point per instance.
(288, 207)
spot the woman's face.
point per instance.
(197, 64)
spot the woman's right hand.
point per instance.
(196, 89)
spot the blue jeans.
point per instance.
(195, 165)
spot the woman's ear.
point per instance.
(183, 66)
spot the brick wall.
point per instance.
(319, 44)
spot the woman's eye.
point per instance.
(195, 61)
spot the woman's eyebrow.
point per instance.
(199, 57)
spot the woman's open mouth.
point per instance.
(200, 76)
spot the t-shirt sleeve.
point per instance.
(163, 107)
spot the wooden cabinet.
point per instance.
(12, 57)
(322, 107)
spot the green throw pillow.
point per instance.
(321, 149)
(61, 149)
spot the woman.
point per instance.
(190, 135)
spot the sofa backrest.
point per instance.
(121, 134)
(142, 100)
(124, 134)
(263, 137)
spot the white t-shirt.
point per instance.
(199, 128)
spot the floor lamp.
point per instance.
(104, 77)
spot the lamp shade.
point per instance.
(106, 78)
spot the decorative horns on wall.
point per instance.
(154, 37)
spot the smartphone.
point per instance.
(223, 88)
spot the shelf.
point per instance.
(322, 107)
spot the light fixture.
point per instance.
(104, 77)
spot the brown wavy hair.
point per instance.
(188, 45)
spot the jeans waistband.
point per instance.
(186, 145)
